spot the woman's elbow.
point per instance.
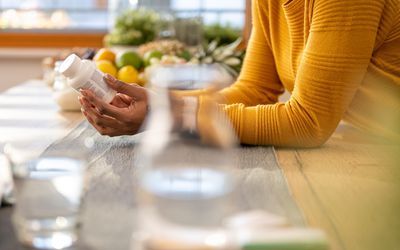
(316, 137)
(316, 141)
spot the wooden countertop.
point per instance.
(350, 187)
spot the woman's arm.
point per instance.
(333, 64)
(258, 82)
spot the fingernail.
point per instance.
(83, 92)
(110, 78)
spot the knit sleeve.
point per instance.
(333, 64)
(258, 82)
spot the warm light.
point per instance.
(34, 19)
(60, 19)
(216, 240)
(133, 2)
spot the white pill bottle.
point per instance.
(82, 74)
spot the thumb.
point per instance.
(132, 90)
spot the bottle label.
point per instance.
(92, 85)
(98, 78)
(97, 85)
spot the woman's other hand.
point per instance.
(123, 116)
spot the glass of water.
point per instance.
(47, 189)
(187, 187)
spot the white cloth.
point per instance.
(6, 184)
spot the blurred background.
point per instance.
(35, 29)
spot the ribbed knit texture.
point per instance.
(338, 58)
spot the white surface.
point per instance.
(29, 109)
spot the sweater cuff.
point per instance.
(213, 125)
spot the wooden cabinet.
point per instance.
(49, 39)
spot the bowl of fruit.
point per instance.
(125, 66)
(137, 64)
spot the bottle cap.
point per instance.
(70, 67)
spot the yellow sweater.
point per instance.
(337, 58)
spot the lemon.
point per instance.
(128, 74)
(106, 67)
(105, 54)
(129, 58)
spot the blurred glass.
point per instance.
(166, 29)
(187, 186)
(4, 176)
(6, 184)
(189, 77)
(64, 95)
(48, 189)
(189, 29)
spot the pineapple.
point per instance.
(227, 55)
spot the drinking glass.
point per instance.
(48, 190)
(186, 187)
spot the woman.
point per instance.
(338, 58)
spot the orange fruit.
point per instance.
(105, 54)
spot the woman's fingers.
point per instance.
(101, 106)
(119, 102)
(107, 125)
(102, 130)
(96, 117)
(125, 98)
(123, 116)
(109, 131)
(132, 90)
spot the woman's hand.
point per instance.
(123, 116)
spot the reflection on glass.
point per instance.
(187, 186)
(48, 191)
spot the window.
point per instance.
(221, 11)
(212, 11)
(54, 14)
(95, 14)
(65, 23)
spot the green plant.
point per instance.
(227, 55)
(134, 27)
(224, 34)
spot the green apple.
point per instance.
(129, 58)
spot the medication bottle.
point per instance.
(82, 74)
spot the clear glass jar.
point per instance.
(60, 81)
(186, 187)
(47, 189)
(65, 96)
